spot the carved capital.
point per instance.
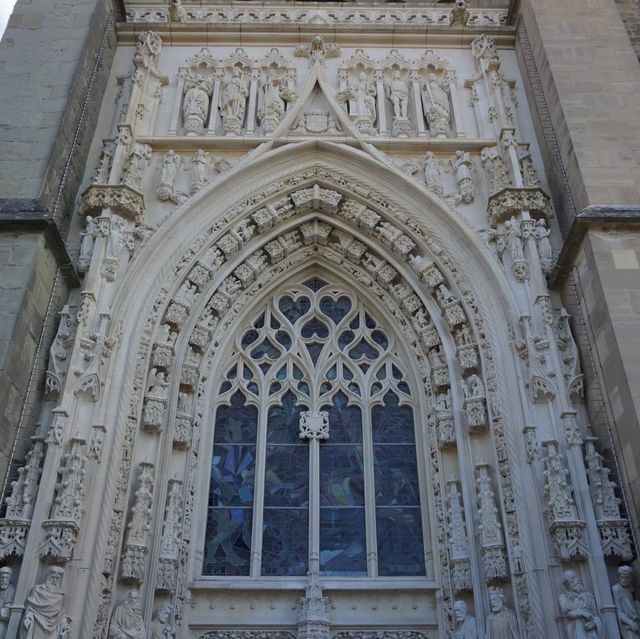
(121, 198)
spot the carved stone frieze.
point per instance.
(506, 202)
(122, 198)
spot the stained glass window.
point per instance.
(314, 347)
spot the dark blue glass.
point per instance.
(345, 422)
(283, 421)
(292, 309)
(400, 547)
(369, 322)
(396, 475)
(342, 542)
(380, 339)
(284, 339)
(315, 327)
(265, 349)
(232, 475)
(287, 476)
(314, 348)
(335, 309)
(341, 475)
(227, 549)
(392, 423)
(249, 338)
(237, 423)
(363, 349)
(315, 284)
(285, 541)
(345, 339)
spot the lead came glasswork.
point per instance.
(316, 348)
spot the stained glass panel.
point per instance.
(342, 542)
(396, 475)
(287, 476)
(400, 548)
(392, 423)
(345, 421)
(335, 309)
(227, 548)
(285, 541)
(232, 475)
(283, 422)
(292, 309)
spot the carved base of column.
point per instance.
(494, 563)
(60, 538)
(401, 127)
(132, 563)
(615, 539)
(568, 539)
(461, 576)
(13, 537)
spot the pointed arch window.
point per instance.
(284, 499)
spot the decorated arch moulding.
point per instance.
(273, 180)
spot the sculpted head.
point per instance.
(571, 581)
(5, 577)
(53, 578)
(132, 599)
(625, 576)
(163, 612)
(496, 599)
(460, 610)
(432, 77)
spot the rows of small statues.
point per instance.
(44, 616)
(358, 98)
(577, 605)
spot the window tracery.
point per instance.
(314, 347)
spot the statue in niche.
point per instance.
(514, 239)
(432, 172)
(627, 608)
(365, 98)
(579, 609)
(271, 105)
(44, 616)
(435, 100)
(199, 170)
(542, 234)
(233, 101)
(88, 238)
(466, 627)
(461, 162)
(473, 387)
(502, 622)
(126, 619)
(157, 384)
(195, 107)
(398, 93)
(160, 628)
(168, 174)
(7, 592)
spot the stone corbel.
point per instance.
(121, 198)
(510, 201)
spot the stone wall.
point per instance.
(54, 62)
(630, 13)
(587, 94)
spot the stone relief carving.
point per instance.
(458, 544)
(466, 626)
(613, 529)
(171, 538)
(627, 607)
(313, 618)
(160, 627)
(233, 102)
(7, 593)
(63, 524)
(44, 616)
(135, 548)
(564, 525)
(59, 354)
(578, 606)
(168, 174)
(126, 619)
(494, 560)
(195, 105)
(432, 170)
(461, 163)
(397, 91)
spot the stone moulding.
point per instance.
(121, 198)
(507, 202)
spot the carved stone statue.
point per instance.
(627, 608)
(398, 92)
(364, 100)
(432, 172)
(159, 628)
(168, 174)
(7, 592)
(126, 620)
(514, 235)
(271, 106)
(44, 616)
(502, 622)
(435, 100)
(466, 627)
(579, 609)
(233, 101)
(86, 244)
(195, 107)
(545, 251)
(461, 162)
(199, 170)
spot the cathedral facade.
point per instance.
(324, 321)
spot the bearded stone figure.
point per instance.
(502, 622)
(627, 608)
(160, 628)
(7, 592)
(44, 616)
(579, 609)
(126, 620)
(466, 627)
(435, 100)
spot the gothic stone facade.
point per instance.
(401, 235)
